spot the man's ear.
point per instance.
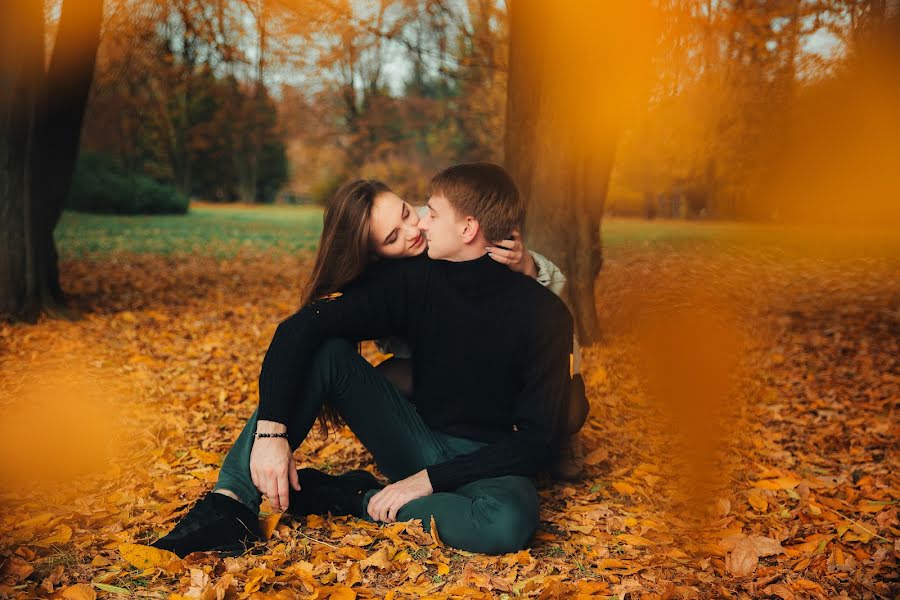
(470, 231)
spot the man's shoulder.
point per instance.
(542, 305)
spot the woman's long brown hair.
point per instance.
(344, 253)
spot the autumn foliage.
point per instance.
(741, 439)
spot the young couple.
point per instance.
(491, 398)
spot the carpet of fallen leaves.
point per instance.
(780, 483)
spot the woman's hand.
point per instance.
(272, 469)
(513, 254)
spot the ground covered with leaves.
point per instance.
(742, 439)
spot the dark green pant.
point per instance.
(491, 516)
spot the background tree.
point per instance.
(41, 112)
(574, 70)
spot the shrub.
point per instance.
(101, 186)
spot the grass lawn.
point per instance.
(223, 230)
(205, 229)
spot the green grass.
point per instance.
(219, 231)
(224, 230)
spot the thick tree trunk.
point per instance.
(576, 70)
(41, 127)
(22, 270)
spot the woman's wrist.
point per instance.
(533, 270)
(270, 427)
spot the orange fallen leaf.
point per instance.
(379, 559)
(16, 569)
(779, 483)
(356, 539)
(35, 521)
(595, 457)
(62, 535)
(611, 563)
(210, 458)
(268, 523)
(144, 557)
(354, 575)
(414, 570)
(758, 501)
(79, 591)
(434, 533)
(341, 592)
(635, 540)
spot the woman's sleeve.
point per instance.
(549, 274)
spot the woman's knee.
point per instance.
(334, 352)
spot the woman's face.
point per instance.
(394, 228)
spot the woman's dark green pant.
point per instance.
(491, 516)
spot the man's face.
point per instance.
(443, 229)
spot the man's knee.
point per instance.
(511, 516)
(511, 529)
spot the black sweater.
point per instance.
(490, 352)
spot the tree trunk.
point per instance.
(576, 70)
(39, 134)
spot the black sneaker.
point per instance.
(321, 493)
(216, 523)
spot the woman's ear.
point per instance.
(470, 231)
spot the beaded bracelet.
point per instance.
(270, 435)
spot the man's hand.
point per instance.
(384, 505)
(513, 254)
(272, 466)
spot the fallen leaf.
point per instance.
(434, 533)
(143, 557)
(62, 535)
(16, 569)
(779, 483)
(79, 591)
(747, 550)
(210, 458)
(268, 523)
(378, 559)
(353, 575)
(624, 488)
(758, 501)
(635, 540)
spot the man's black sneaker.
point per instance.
(321, 493)
(216, 523)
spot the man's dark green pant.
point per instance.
(491, 516)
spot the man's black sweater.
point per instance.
(490, 353)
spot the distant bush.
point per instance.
(100, 185)
(324, 189)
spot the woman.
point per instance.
(366, 221)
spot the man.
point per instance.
(491, 354)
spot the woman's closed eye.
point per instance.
(394, 235)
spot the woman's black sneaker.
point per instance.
(321, 493)
(216, 523)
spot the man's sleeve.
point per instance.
(371, 307)
(539, 410)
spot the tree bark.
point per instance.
(576, 72)
(39, 135)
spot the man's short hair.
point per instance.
(485, 191)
